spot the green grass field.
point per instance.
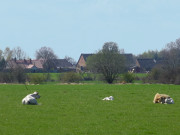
(79, 110)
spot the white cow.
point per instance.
(108, 98)
(31, 99)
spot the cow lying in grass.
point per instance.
(108, 98)
(163, 99)
(31, 99)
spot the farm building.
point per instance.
(81, 64)
(37, 65)
(146, 65)
(132, 64)
(63, 65)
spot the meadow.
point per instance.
(79, 110)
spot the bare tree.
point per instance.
(107, 61)
(170, 67)
(70, 60)
(172, 55)
(18, 53)
(47, 54)
(7, 54)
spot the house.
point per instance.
(29, 65)
(146, 65)
(37, 65)
(63, 65)
(81, 64)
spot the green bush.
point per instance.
(147, 79)
(6, 77)
(155, 74)
(88, 76)
(16, 75)
(47, 77)
(36, 78)
(70, 77)
(158, 75)
(100, 77)
(19, 75)
(128, 77)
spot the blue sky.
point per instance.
(72, 27)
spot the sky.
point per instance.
(72, 27)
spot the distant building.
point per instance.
(81, 64)
(63, 65)
(146, 64)
(37, 65)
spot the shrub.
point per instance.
(13, 75)
(88, 76)
(128, 77)
(159, 75)
(147, 79)
(19, 75)
(100, 77)
(155, 74)
(70, 77)
(47, 77)
(6, 77)
(36, 78)
(177, 81)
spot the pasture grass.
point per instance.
(79, 110)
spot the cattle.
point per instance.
(30, 99)
(108, 98)
(163, 99)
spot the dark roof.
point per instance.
(130, 60)
(62, 63)
(85, 56)
(129, 57)
(147, 64)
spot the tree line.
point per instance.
(169, 70)
(108, 61)
(17, 73)
(45, 53)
